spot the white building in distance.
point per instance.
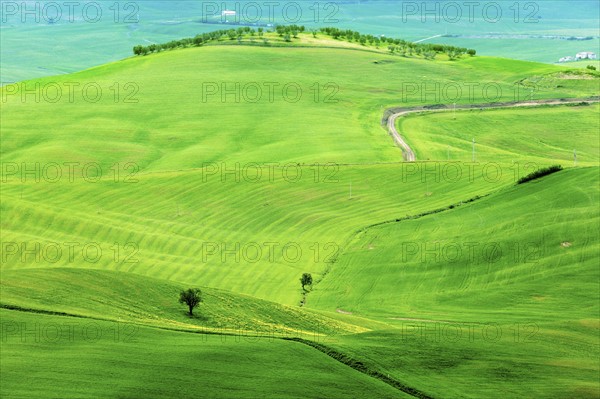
(566, 59)
(586, 55)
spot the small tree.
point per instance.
(191, 297)
(305, 280)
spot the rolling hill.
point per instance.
(179, 174)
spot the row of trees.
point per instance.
(289, 32)
(199, 40)
(398, 46)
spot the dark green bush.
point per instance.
(540, 173)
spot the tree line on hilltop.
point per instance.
(289, 32)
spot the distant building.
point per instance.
(228, 13)
(566, 59)
(586, 55)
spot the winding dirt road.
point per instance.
(391, 115)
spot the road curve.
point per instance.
(392, 114)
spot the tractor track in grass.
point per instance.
(333, 353)
(391, 115)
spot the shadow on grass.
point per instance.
(195, 316)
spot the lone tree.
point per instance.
(306, 279)
(191, 297)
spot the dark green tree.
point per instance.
(306, 279)
(191, 297)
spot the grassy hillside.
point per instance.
(201, 127)
(106, 359)
(258, 240)
(138, 208)
(109, 208)
(128, 298)
(492, 360)
(545, 135)
(498, 253)
(498, 295)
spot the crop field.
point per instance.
(548, 135)
(258, 169)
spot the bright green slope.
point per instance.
(179, 228)
(531, 276)
(172, 210)
(91, 359)
(194, 131)
(461, 360)
(127, 298)
(168, 216)
(546, 134)
(521, 239)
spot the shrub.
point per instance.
(540, 173)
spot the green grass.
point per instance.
(461, 360)
(153, 230)
(198, 130)
(107, 359)
(532, 272)
(175, 197)
(128, 298)
(544, 135)
(317, 218)
(517, 237)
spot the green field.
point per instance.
(219, 366)
(549, 134)
(110, 208)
